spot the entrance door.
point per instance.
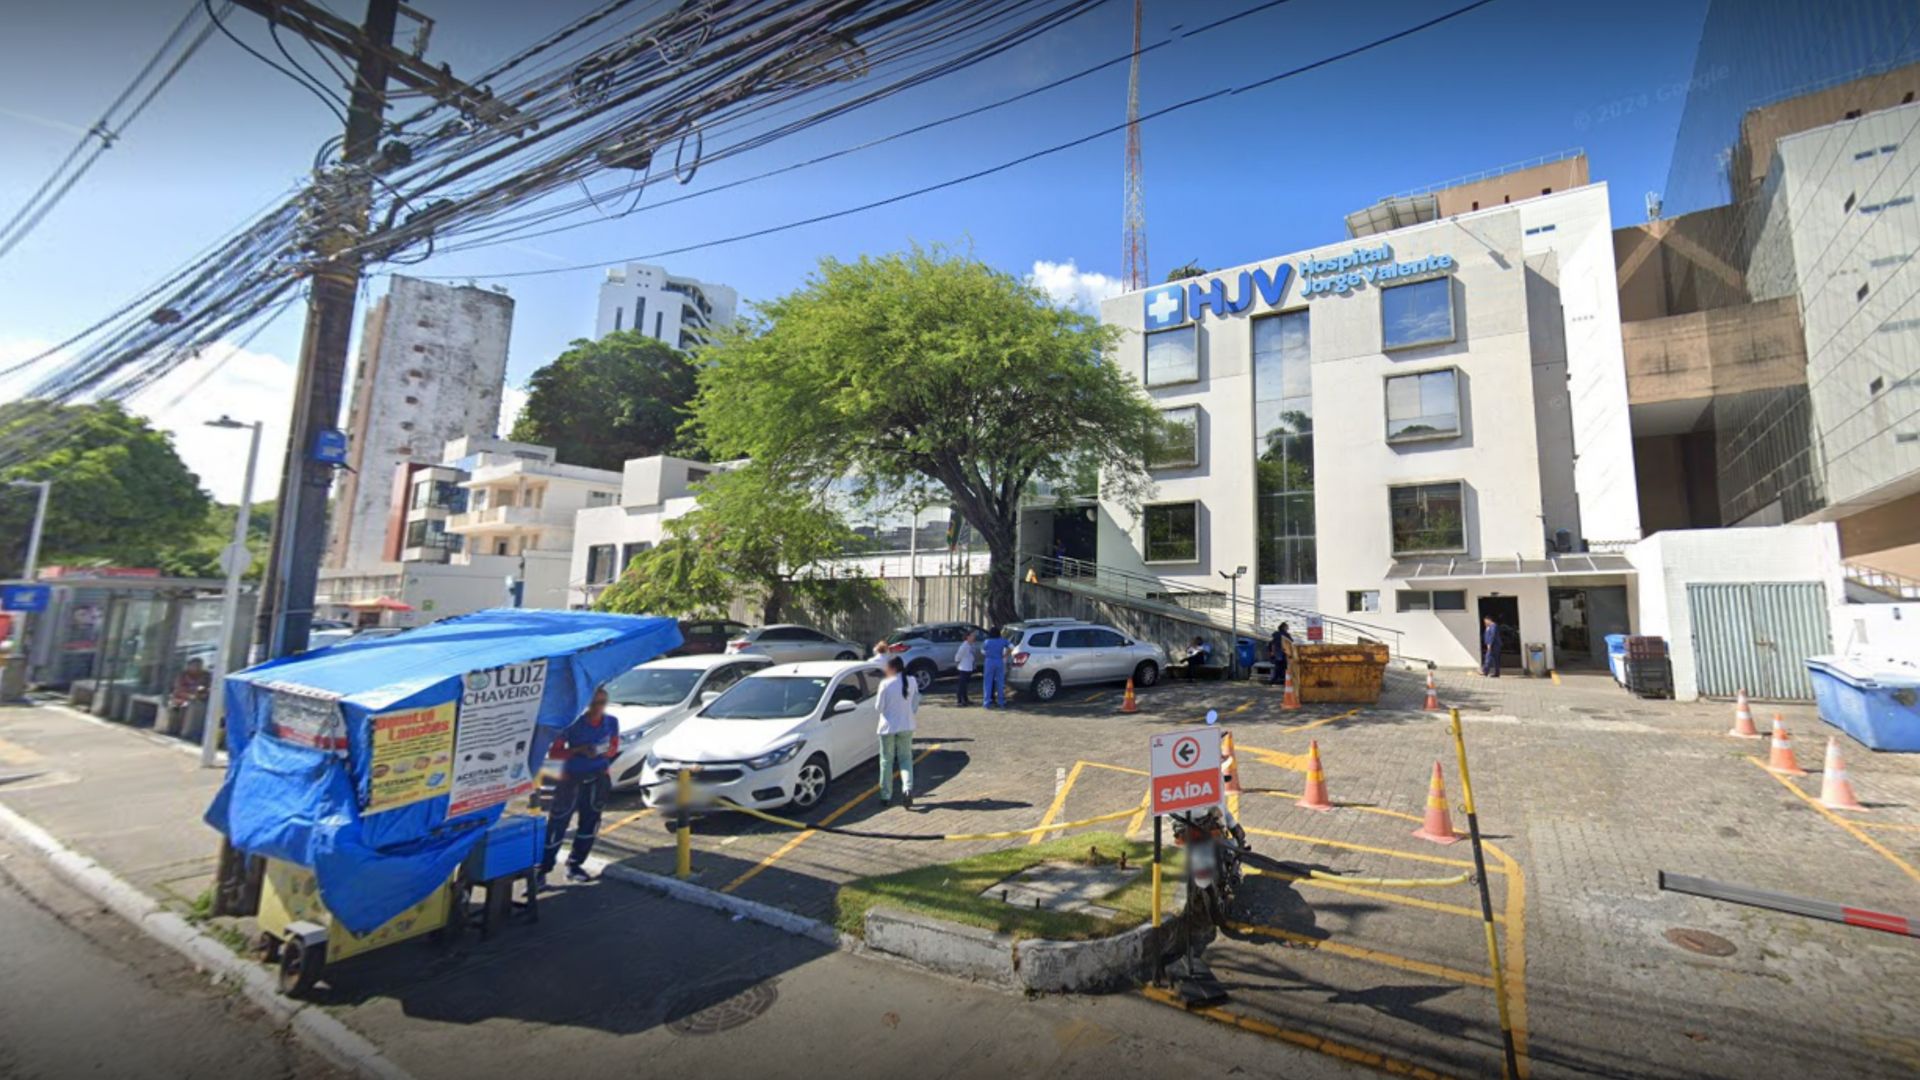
(1757, 637)
(1075, 534)
(1505, 612)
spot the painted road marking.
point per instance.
(1096, 695)
(1876, 845)
(1344, 845)
(1372, 956)
(802, 836)
(1376, 894)
(1061, 788)
(1243, 706)
(626, 821)
(1302, 1039)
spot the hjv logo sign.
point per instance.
(1168, 305)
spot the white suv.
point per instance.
(1051, 653)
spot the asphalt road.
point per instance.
(85, 994)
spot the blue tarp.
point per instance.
(303, 804)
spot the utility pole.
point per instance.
(342, 201)
(13, 677)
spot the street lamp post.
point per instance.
(1233, 619)
(234, 560)
(13, 680)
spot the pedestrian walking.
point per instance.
(963, 660)
(1280, 652)
(585, 748)
(1490, 648)
(994, 694)
(899, 698)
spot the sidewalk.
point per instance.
(611, 976)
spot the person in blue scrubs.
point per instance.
(996, 647)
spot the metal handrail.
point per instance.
(1884, 581)
(1255, 612)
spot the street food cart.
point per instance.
(375, 778)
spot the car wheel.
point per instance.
(810, 783)
(1046, 686)
(924, 673)
(1146, 674)
(848, 655)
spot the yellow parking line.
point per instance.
(1342, 844)
(1375, 894)
(1322, 722)
(1243, 706)
(626, 821)
(1878, 847)
(1887, 825)
(1555, 676)
(801, 837)
(1059, 800)
(1371, 956)
(1096, 695)
(1301, 1039)
(1114, 768)
(1137, 824)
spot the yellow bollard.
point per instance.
(683, 838)
(1512, 1071)
(1156, 870)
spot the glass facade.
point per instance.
(1173, 356)
(1425, 405)
(1283, 449)
(1420, 313)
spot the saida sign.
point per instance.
(1170, 305)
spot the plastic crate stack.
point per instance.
(1649, 672)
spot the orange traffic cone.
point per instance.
(1229, 767)
(1743, 719)
(1126, 703)
(1780, 758)
(1433, 695)
(1439, 824)
(1836, 791)
(1315, 796)
(1289, 697)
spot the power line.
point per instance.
(269, 61)
(992, 169)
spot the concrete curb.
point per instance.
(765, 914)
(1035, 965)
(314, 1026)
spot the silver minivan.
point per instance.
(1052, 653)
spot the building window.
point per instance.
(1441, 600)
(1848, 205)
(1425, 405)
(1417, 314)
(602, 498)
(618, 311)
(431, 534)
(1177, 444)
(1363, 600)
(1173, 356)
(600, 565)
(695, 476)
(1172, 532)
(630, 552)
(1428, 518)
(1283, 449)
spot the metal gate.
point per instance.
(1755, 637)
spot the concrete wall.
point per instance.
(1882, 629)
(433, 359)
(1669, 561)
(1512, 187)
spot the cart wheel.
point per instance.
(300, 966)
(268, 948)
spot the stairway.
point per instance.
(1867, 585)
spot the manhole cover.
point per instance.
(1699, 941)
(709, 1010)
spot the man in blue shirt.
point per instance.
(995, 649)
(585, 749)
(1490, 649)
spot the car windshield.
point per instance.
(771, 697)
(653, 686)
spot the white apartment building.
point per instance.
(520, 514)
(433, 359)
(1409, 430)
(679, 311)
(652, 492)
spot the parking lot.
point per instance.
(1584, 794)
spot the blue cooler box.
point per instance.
(512, 846)
(1617, 657)
(1877, 701)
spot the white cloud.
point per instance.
(1070, 286)
(244, 385)
(512, 400)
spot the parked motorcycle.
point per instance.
(1214, 854)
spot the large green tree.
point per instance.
(198, 555)
(602, 402)
(758, 534)
(929, 364)
(120, 492)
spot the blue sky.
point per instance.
(1230, 182)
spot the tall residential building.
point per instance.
(676, 310)
(433, 359)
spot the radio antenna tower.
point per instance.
(1136, 211)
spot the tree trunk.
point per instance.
(774, 604)
(1003, 557)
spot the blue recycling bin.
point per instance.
(1246, 652)
(1875, 701)
(1617, 657)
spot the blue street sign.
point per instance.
(25, 597)
(330, 446)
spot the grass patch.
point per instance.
(952, 890)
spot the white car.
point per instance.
(655, 697)
(779, 737)
(789, 644)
